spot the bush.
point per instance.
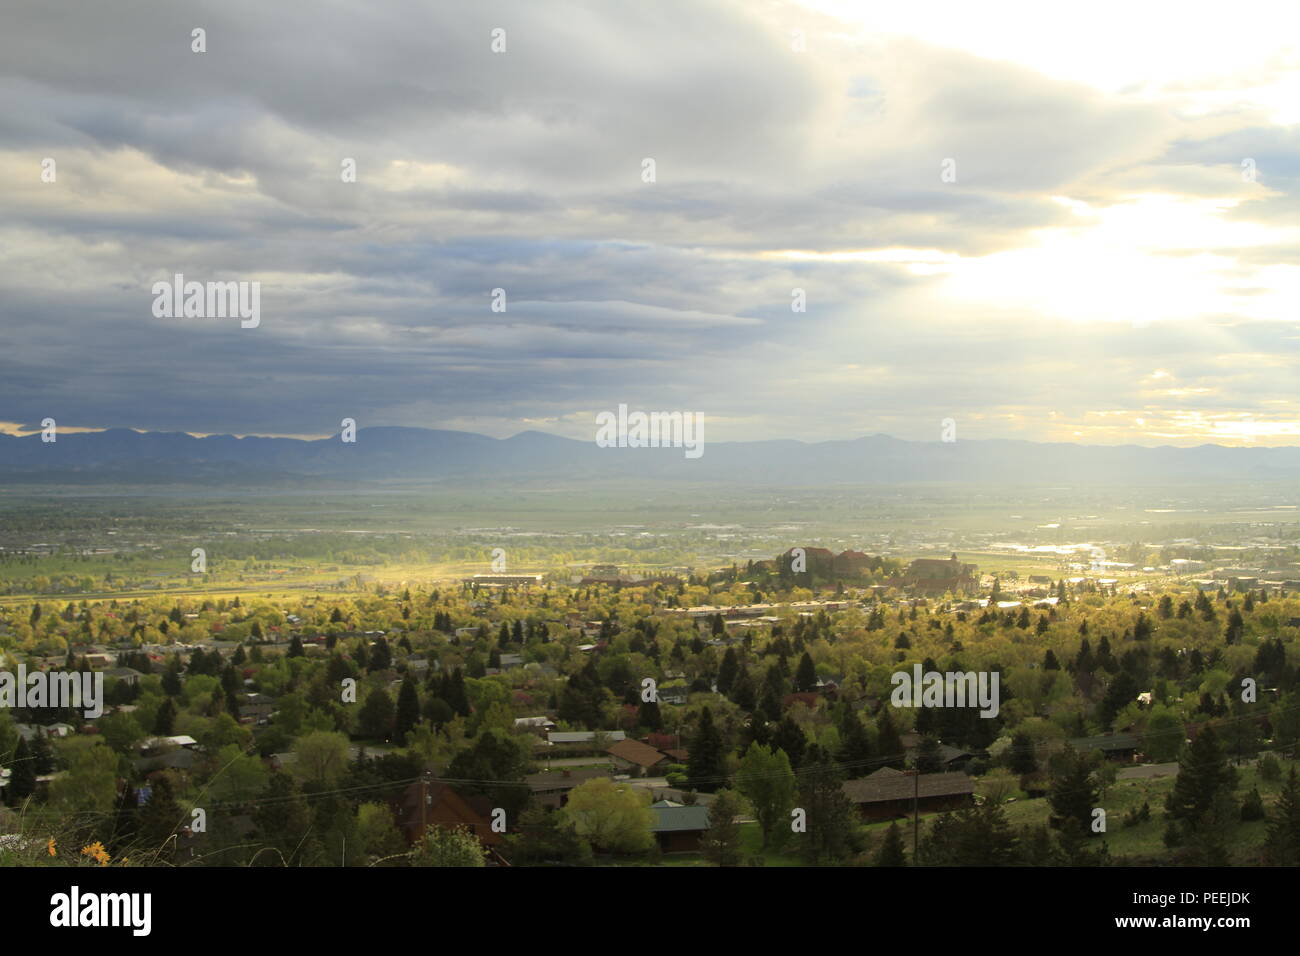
(1269, 769)
(1252, 808)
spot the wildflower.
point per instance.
(97, 851)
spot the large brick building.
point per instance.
(935, 576)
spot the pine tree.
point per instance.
(165, 719)
(1282, 844)
(408, 710)
(705, 765)
(161, 817)
(721, 843)
(890, 743)
(1203, 773)
(1073, 795)
(22, 781)
(830, 815)
(805, 678)
(891, 852)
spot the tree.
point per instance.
(164, 721)
(1164, 735)
(854, 754)
(240, 776)
(830, 817)
(408, 710)
(1282, 843)
(978, 836)
(322, 757)
(22, 782)
(615, 817)
(929, 758)
(283, 820)
(546, 839)
(1074, 792)
(1203, 773)
(1285, 718)
(494, 767)
(891, 852)
(706, 768)
(805, 678)
(721, 843)
(448, 846)
(1020, 756)
(766, 780)
(161, 817)
(890, 743)
(376, 717)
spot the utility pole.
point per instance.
(916, 819)
(424, 801)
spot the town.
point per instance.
(745, 715)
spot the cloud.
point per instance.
(523, 171)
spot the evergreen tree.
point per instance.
(790, 737)
(1203, 773)
(377, 715)
(890, 742)
(721, 842)
(1020, 757)
(855, 746)
(805, 678)
(1282, 844)
(891, 852)
(165, 719)
(408, 710)
(1073, 794)
(706, 765)
(830, 816)
(160, 818)
(728, 672)
(22, 780)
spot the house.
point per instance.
(178, 759)
(1125, 747)
(678, 828)
(551, 787)
(256, 708)
(429, 802)
(935, 576)
(537, 725)
(580, 738)
(890, 793)
(127, 675)
(627, 754)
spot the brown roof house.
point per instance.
(629, 754)
(443, 807)
(889, 793)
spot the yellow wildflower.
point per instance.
(97, 851)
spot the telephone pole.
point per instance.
(916, 819)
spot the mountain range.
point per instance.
(126, 456)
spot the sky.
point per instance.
(1051, 222)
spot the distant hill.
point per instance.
(126, 456)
